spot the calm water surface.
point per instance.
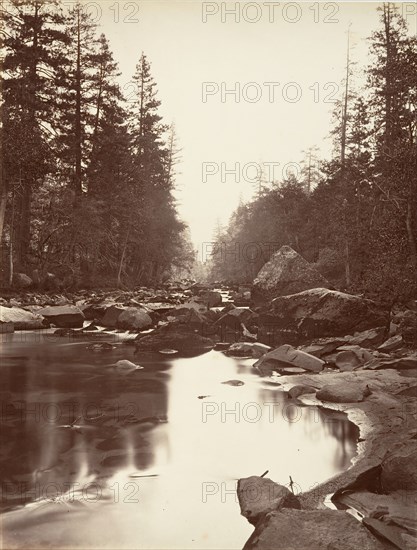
(95, 456)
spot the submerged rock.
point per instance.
(286, 273)
(187, 343)
(260, 495)
(234, 383)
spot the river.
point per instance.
(98, 456)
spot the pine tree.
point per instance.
(33, 40)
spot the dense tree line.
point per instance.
(357, 222)
(87, 176)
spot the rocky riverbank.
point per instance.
(323, 347)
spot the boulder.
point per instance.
(300, 389)
(260, 495)
(286, 273)
(343, 393)
(368, 338)
(236, 316)
(286, 357)
(288, 529)
(20, 280)
(241, 349)
(211, 298)
(400, 363)
(94, 311)
(393, 343)
(111, 315)
(199, 307)
(187, 343)
(134, 318)
(63, 316)
(258, 349)
(399, 471)
(323, 346)
(20, 319)
(352, 357)
(319, 312)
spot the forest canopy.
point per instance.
(87, 175)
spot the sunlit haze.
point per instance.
(200, 51)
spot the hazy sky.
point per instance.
(200, 51)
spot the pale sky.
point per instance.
(198, 48)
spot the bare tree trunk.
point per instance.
(345, 107)
(3, 204)
(122, 259)
(411, 235)
(78, 184)
(11, 259)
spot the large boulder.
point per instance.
(260, 495)
(286, 273)
(184, 341)
(63, 316)
(320, 312)
(134, 318)
(286, 356)
(289, 529)
(20, 319)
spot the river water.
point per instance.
(98, 456)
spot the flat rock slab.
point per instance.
(407, 362)
(399, 507)
(343, 393)
(19, 319)
(289, 529)
(64, 316)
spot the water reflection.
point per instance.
(93, 457)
